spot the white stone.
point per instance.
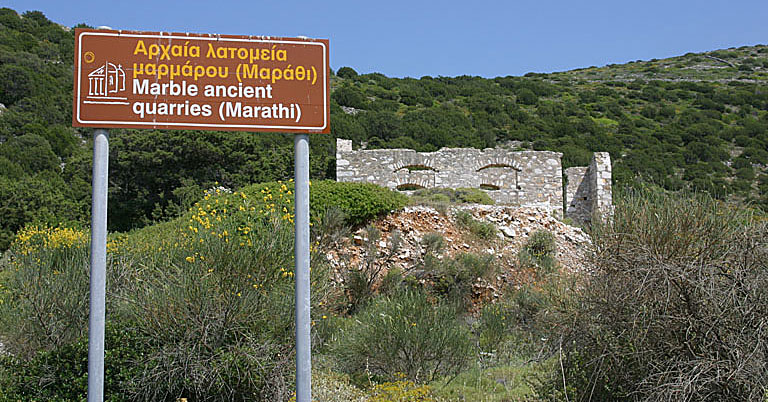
(508, 231)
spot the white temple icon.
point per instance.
(106, 81)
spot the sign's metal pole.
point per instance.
(301, 252)
(96, 315)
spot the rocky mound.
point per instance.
(397, 242)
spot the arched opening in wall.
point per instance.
(503, 174)
(489, 187)
(409, 187)
(498, 165)
(416, 168)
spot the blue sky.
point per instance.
(448, 38)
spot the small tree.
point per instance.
(346, 72)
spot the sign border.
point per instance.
(209, 37)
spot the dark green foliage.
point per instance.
(31, 152)
(346, 72)
(349, 95)
(42, 198)
(16, 83)
(360, 202)
(10, 169)
(405, 333)
(527, 97)
(62, 374)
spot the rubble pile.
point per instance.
(517, 224)
(398, 241)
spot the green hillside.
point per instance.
(696, 121)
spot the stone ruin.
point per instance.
(517, 178)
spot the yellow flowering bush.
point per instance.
(219, 300)
(206, 299)
(31, 239)
(400, 391)
(44, 289)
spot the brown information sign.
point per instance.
(201, 82)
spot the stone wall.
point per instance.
(525, 178)
(589, 193)
(577, 205)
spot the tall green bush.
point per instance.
(360, 201)
(405, 333)
(674, 309)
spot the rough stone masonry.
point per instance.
(517, 178)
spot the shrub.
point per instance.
(332, 228)
(513, 317)
(541, 243)
(44, 290)
(473, 196)
(359, 202)
(404, 333)
(675, 307)
(446, 195)
(453, 279)
(539, 251)
(351, 96)
(205, 304)
(61, 373)
(346, 72)
(361, 279)
(217, 315)
(391, 282)
(433, 246)
(483, 230)
(433, 243)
